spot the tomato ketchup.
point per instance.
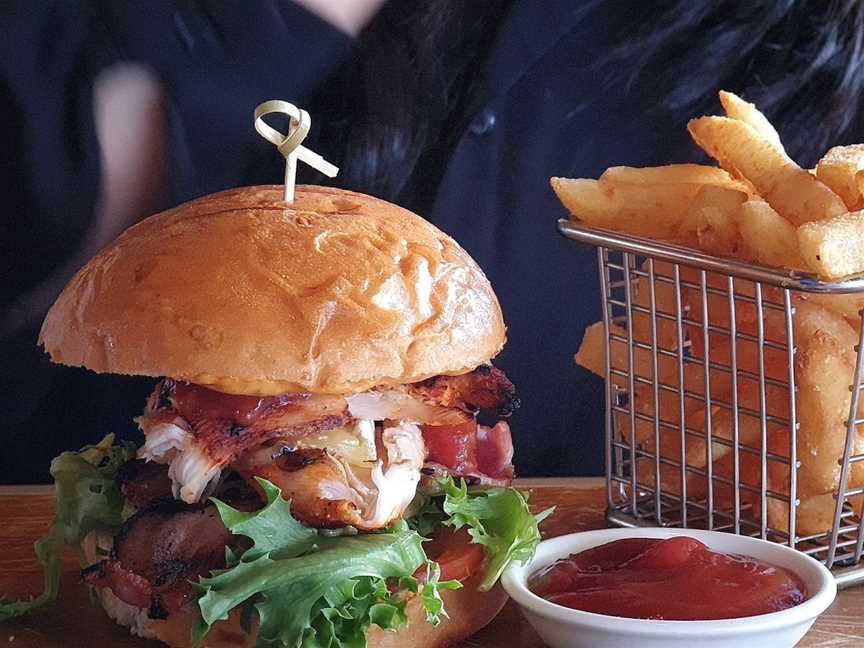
(676, 578)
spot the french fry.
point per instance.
(748, 473)
(840, 169)
(776, 397)
(811, 318)
(668, 404)
(834, 248)
(698, 174)
(656, 202)
(715, 210)
(591, 356)
(656, 211)
(591, 353)
(814, 514)
(670, 453)
(742, 150)
(697, 485)
(737, 108)
(767, 237)
(763, 208)
(695, 456)
(849, 306)
(824, 369)
(664, 305)
(719, 326)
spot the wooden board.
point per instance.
(76, 623)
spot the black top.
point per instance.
(538, 111)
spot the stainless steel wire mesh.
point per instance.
(702, 403)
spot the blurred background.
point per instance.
(458, 110)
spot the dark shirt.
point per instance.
(539, 110)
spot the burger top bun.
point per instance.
(239, 291)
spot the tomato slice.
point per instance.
(453, 446)
(461, 563)
(458, 558)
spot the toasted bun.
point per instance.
(242, 292)
(468, 608)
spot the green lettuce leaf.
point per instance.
(312, 590)
(272, 529)
(430, 593)
(425, 514)
(87, 499)
(497, 518)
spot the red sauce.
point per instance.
(673, 579)
(194, 403)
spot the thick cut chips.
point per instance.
(740, 149)
(841, 169)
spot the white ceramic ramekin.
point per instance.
(561, 627)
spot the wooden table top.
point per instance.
(25, 512)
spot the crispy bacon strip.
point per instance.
(484, 388)
(480, 454)
(158, 551)
(495, 450)
(128, 586)
(143, 482)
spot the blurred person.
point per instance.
(460, 111)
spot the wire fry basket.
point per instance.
(717, 417)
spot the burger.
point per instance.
(312, 470)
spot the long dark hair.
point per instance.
(801, 62)
(417, 63)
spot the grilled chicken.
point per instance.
(327, 491)
(199, 432)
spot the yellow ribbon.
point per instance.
(290, 145)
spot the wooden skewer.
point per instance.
(290, 145)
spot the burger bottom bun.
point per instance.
(468, 608)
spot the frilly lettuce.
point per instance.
(87, 499)
(497, 518)
(306, 589)
(314, 591)
(311, 590)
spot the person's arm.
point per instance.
(129, 119)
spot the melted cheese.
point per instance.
(353, 443)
